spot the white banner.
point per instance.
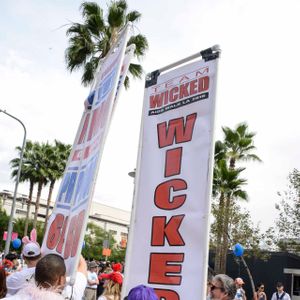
(67, 224)
(168, 239)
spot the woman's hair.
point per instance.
(49, 269)
(112, 289)
(227, 284)
(259, 285)
(142, 292)
(3, 288)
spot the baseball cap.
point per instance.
(31, 250)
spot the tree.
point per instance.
(57, 157)
(93, 239)
(288, 222)
(239, 144)
(91, 40)
(227, 188)
(40, 152)
(27, 174)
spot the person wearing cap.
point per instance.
(222, 287)
(92, 282)
(240, 292)
(280, 294)
(112, 287)
(31, 254)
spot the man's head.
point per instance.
(31, 254)
(279, 287)
(222, 288)
(93, 266)
(239, 282)
(50, 271)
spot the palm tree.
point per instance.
(227, 187)
(91, 40)
(57, 157)
(239, 144)
(27, 174)
(40, 152)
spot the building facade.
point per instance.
(113, 220)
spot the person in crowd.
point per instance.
(92, 282)
(31, 254)
(112, 287)
(141, 292)
(280, 294)
(50, 280)
(260, 292)
(240, 292)
(222, 288)
(3, 288)
(117, 267)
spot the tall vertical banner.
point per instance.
(168, 239)
(67, 224)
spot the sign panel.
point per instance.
(170, 222)
(67, 224)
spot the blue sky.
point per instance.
(258, 83)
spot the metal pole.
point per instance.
(10, 224)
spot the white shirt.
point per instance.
(92, 276)
(18, 280)
(286, 296)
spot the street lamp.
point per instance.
(11, 218)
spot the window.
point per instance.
(296, 286)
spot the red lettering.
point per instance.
(183, 90)
(94, 127)
(193, 87)
(162, 194)
(70, 237)
(203, 84)
(166, 294)
(54, 231)
(174, 94)
(173, 162)
(160, 266)
(62, 237)
(84, 129)
(79, 223)
(170, 231)
(156, 100)
(176, 130)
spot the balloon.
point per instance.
(16, 243)
(238, 250)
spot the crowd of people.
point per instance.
(44, 277)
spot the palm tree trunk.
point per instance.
(224, 244)
(48, 203)
(220, 224)
(31, 185)
(37, 203)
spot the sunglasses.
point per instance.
(213, 287)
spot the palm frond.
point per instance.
(141, 44)
(133, 16)
(135, 70)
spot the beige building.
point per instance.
(115, 221)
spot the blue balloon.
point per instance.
(16, 243)
(238, 250)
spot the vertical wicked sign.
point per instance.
(168, 240)
(67, 224)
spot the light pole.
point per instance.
(10, 224)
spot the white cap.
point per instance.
(31, 250)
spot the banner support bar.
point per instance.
(207, 54)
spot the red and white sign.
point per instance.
(67, 224)
(168, 239)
